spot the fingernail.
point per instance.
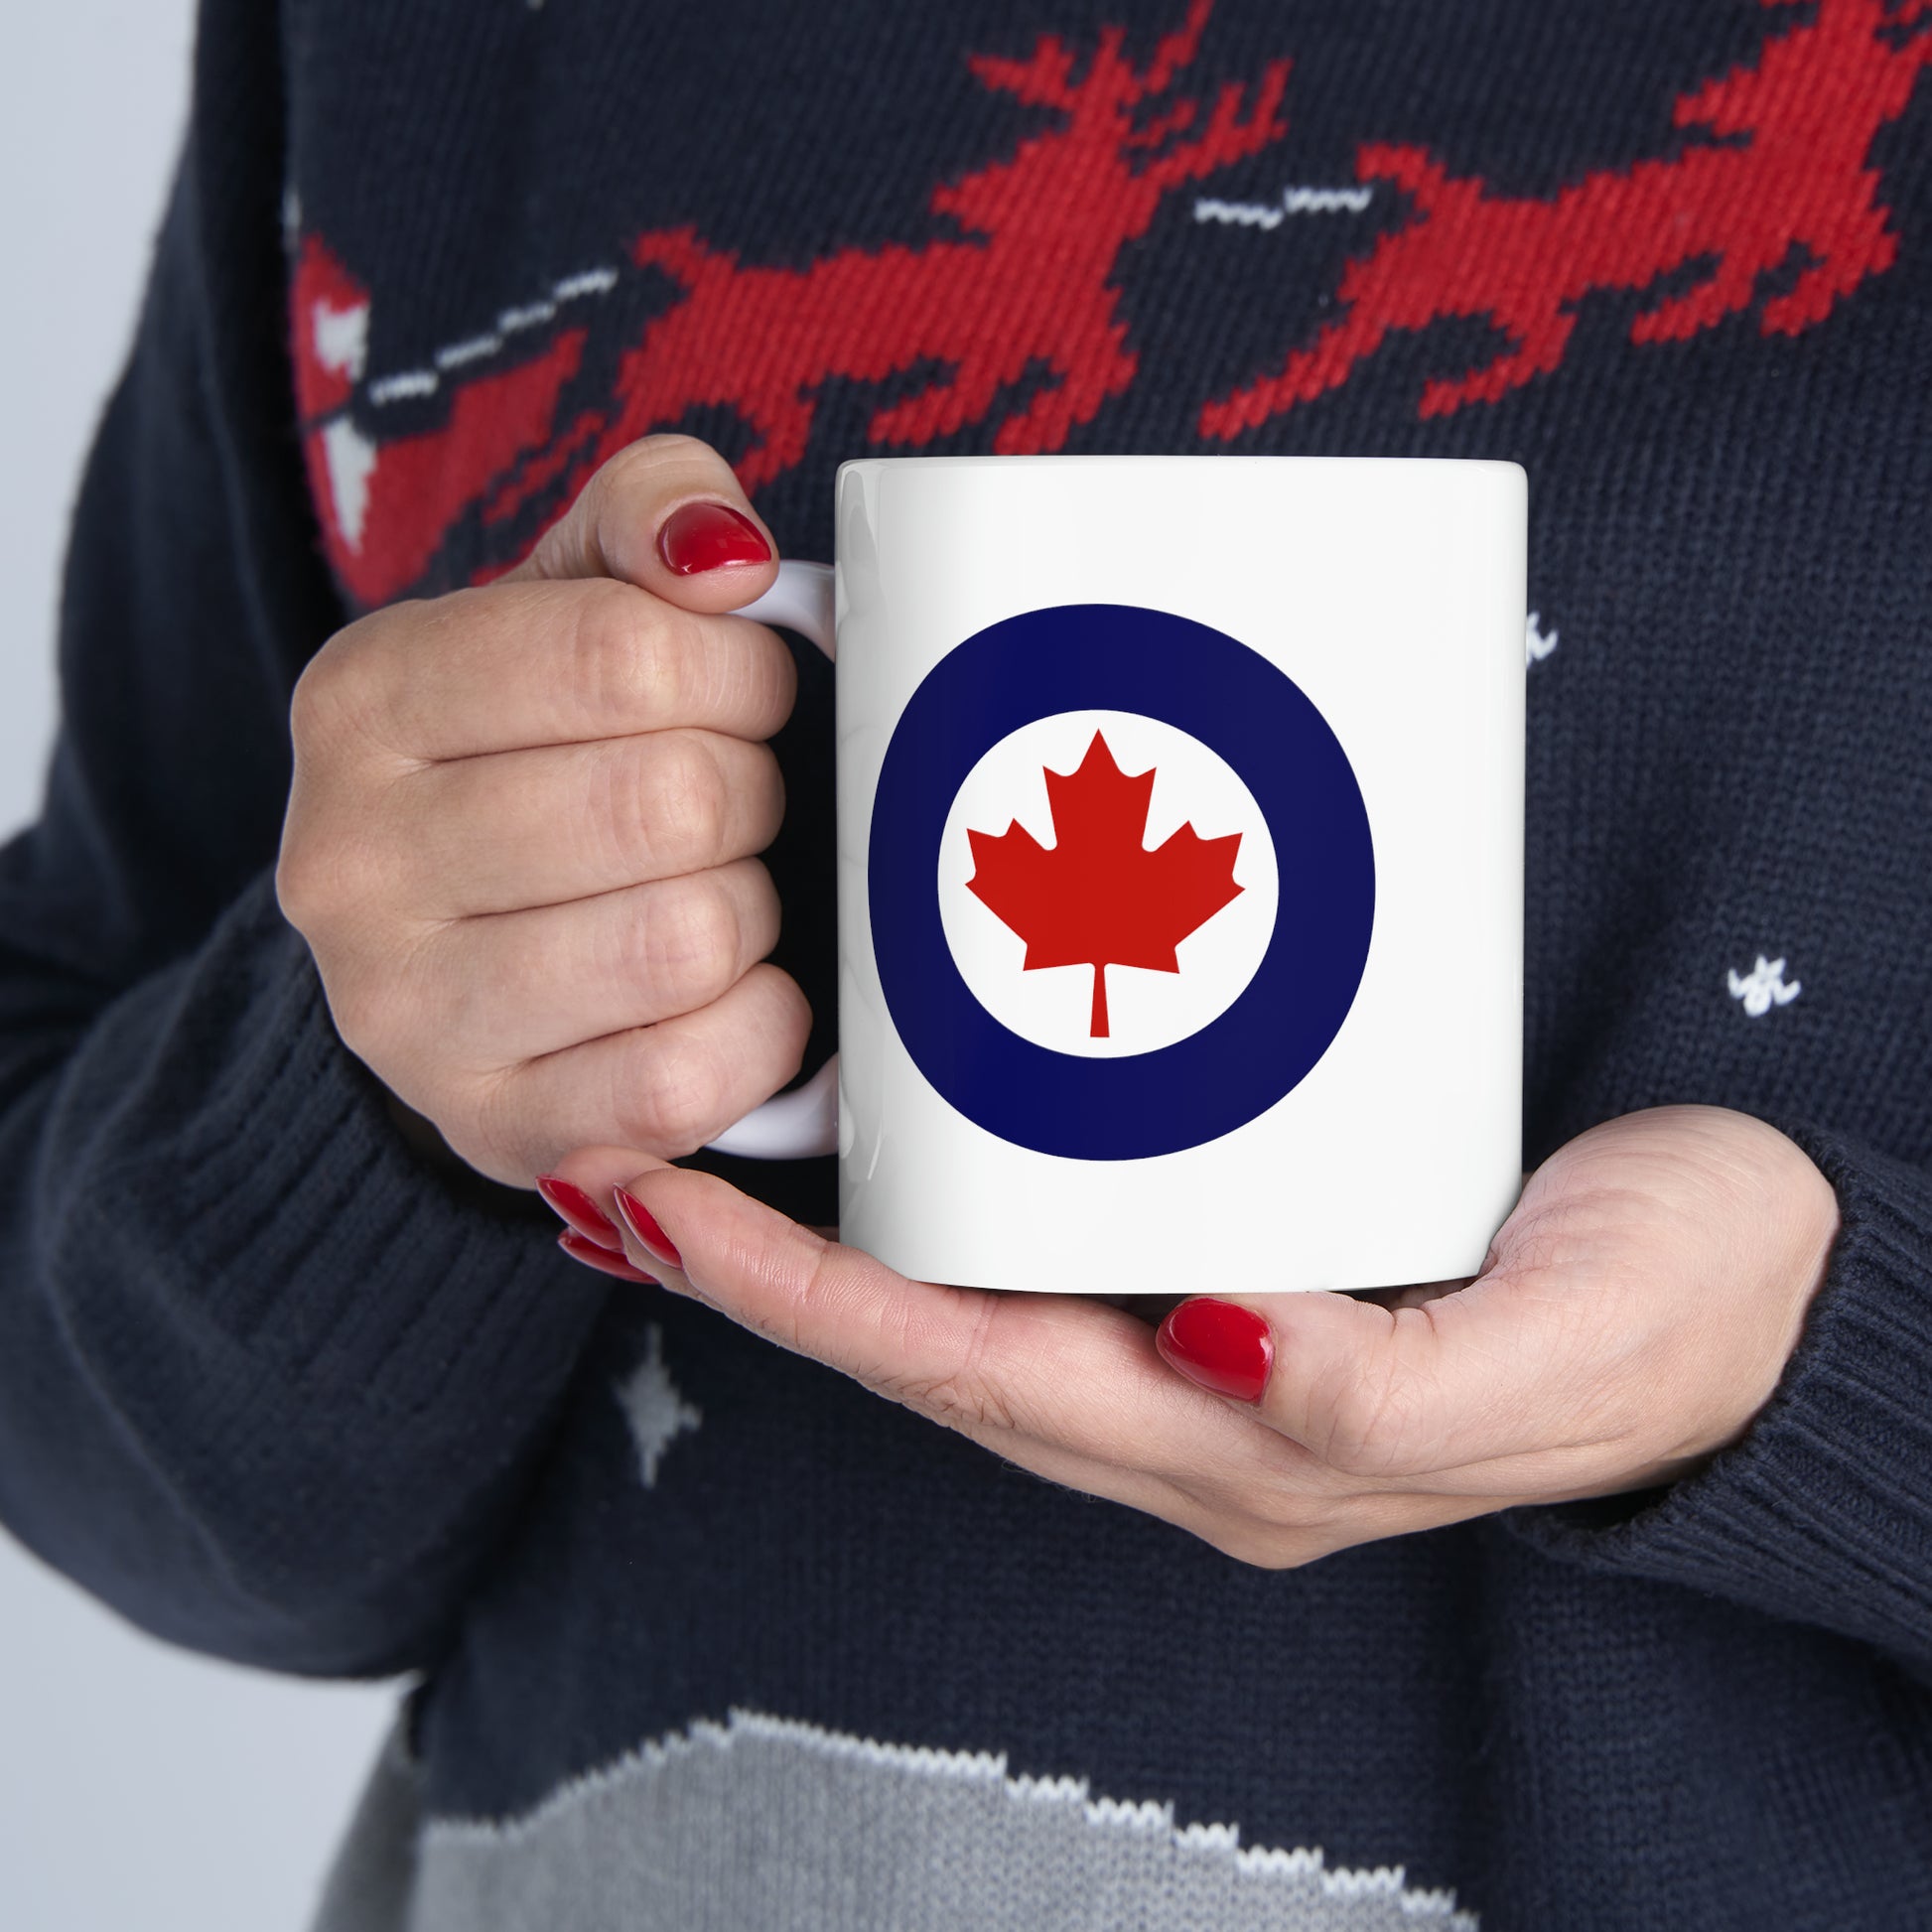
(697, 537)
(1220, 1347)
(583, 1213)
(579, 1248)
(643, 1224)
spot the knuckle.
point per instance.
(323, 698)
(657, 673)
(1290, 1507)
(788, 1322)
(636, 660)
(757, 914)
(683, 808)
(1371, 1425)
(447, 991)
(299, 890)
(956, 1404)
(312, 703)
(339, 696)
(677, 1086)
(363, 1008)
(691, 941)
(678, 1101)
(960, 1395)
(609, 483)
(489, 1127)
(761, 677)
(650, 453)
(1278, 1522)
(302, 892)
(378, 1001)
(766, 788)
(617, 820)
(324, 878)
(1266, 1548)
(779, 1018)
(637, 471)
(796, 1320)
(664, 668)
(793, 1011)
(606, 664)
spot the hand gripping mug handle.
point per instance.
(805, 1121)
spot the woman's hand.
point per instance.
(519, 840)
(1634, 1313)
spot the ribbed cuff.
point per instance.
(280, 1203)
(321, 1365)
(1822, 1514)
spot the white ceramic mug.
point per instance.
(1180, 868)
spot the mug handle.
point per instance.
(805, 1121)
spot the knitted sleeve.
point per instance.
(269, 1385)
(1822, 1514)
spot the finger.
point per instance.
(517, 985)
(534, 828)
(598, 1176)
(592, 1178)
(667, 515)
(666, 1089)
(911, 1341)
(1064, 1372)
(1399, 1395)
(580, 1187)
(539, 664)
(601, 1260)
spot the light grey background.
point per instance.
(139, 1787)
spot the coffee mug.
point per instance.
(1180, 868)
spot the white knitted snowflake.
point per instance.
(654, 1406)
(1764, 987)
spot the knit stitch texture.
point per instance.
(275, 1388)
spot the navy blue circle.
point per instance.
(1122, 657)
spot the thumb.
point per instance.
(1385, 1393)
(667, 515)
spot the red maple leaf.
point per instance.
(1097, 897)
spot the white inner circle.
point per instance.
(1145, 1008)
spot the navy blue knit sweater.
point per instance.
(707, 1635)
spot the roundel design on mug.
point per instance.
(1120, 881)
(1107, 883)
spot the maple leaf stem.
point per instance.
(1098, 1028)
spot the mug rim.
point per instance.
(1460, 465)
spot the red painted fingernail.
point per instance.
(583, 1213)
(578, 1248)
(697, 537)
(1220, 1347)
(643, 1224)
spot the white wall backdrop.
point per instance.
(139, 1787)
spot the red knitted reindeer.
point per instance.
(1793, 174)
(1030, 289)
(1776, 175)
